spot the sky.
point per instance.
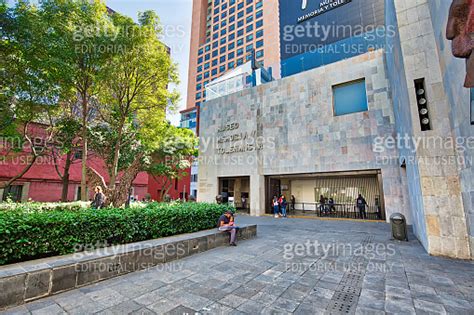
(175, 16)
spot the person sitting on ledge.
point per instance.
(226, 223)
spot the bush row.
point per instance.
(26, 235)
(44, 206)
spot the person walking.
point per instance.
(99, 198)
(293, 202)
(283, 206)
(276, 206)
(361, 204)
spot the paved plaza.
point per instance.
(293, 266)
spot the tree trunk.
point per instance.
(23, 172)
(65, 178)
(114, 170)
(85, 108)
(28, 167)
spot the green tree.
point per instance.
(67, 144)
(81, 34)
(28, 93)
(172, 157)
(134, 97)
(53, 53)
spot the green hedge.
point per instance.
(27, 234)
(44, 206)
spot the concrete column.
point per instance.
(257, 195)
(238, 192)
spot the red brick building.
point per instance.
(43, 183)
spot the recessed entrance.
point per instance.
(236, 190)
(338, 190)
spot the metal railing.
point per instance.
(349, 211)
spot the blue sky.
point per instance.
(175, 16)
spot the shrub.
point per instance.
(44, 206)
(34, 233)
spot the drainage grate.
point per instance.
(352, 277)
(337, 308)
(351, 283)
(345, 298)
(348, 289)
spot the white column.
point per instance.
(257, 195)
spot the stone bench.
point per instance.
(30, 280)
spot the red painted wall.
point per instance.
(44, 182)
(176, 191)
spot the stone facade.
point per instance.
(294, 120)
(440, 181)
(432, 183)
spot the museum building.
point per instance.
(381, 112)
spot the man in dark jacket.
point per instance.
(361, 203)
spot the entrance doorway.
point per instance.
(330, 194)
(236, 191)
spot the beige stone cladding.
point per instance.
(445, 215)
(294, 119)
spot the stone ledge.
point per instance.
(31, 280)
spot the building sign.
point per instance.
(236, 142)
(314, 26)
(324, 6)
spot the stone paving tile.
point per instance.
(251, 307)
(368, 311)
(163, 305)
(233, 301)
(429, 307)
(53, 309)
(86, 308)
(19, 310)
(372, 300)
(257, 277)
(143, 311)
(286, 304)
(180, 310)
(39, 304)
(265, 298)
(126, 307)
(215, 309)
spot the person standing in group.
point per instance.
(322, 204)
(331, 205)
(283, 206)
(361, 204)
(276, 206)
(99, 198)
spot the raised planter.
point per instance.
(27, 281)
